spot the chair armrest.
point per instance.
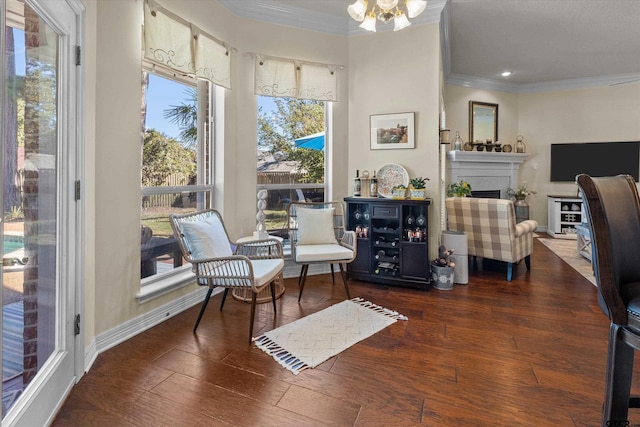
(260, 249)
(348, 240)
(526, 227)
(236, 267)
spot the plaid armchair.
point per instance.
(491, 229)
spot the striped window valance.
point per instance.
(295, 79)
(171, 41)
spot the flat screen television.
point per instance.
(595, 159)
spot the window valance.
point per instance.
(295, 79)
(183, 47)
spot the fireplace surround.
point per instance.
(486, 171)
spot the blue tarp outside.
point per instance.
(313, 142)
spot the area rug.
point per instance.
(309, 341)
(567, 250)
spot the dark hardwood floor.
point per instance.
(530, 352)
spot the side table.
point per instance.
(583, 241)
(244, 294)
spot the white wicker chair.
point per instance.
(205, 243)
(317, 234)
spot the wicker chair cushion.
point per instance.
(206, 239)
(264, 271)
(315, 226)
(326, 253)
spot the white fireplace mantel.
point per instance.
(485, 170)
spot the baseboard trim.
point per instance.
(90, 356)
(133, 327)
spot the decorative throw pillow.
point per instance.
(206, 239)
(315, 226)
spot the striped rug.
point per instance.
(567, 250)
(309, 341)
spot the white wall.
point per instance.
(605, 114)
(397, 72)
(117, 174)
(457, 107)
(580, 115)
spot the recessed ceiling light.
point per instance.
(505, 73)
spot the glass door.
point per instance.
(39, 217)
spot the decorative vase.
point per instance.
(520, 147)
(417, 194)
(521, 208)
(457, 142)
(442, 277)
(399, 193)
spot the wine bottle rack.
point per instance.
(394, 248)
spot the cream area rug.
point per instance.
(309, 341)
(567, 250)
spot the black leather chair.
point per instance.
(613, 212)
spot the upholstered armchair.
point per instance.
(491, 229)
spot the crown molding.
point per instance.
(445, 37)
(480, 83)
(568, 84)
(581, 83)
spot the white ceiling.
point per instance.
(545, 43)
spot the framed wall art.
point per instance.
(483, 121)
(392, 131)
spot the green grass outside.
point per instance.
(275, 219)
(159, 221)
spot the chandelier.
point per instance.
(385, 11)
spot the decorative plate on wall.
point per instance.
(389, 176)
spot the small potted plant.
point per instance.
(520, 205)
(399, 192)
(459, 189)
(417, 189)
(442, 269)
(521, 192)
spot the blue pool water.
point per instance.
(12, 243)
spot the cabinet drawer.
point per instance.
(384, 211)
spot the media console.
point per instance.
(565, 213)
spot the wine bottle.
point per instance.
(357, 184)
(373, 186)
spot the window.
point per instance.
(291, 155)
(176, 167)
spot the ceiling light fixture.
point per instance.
(385, 10)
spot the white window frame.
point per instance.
(163, 283)
(326, 186)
